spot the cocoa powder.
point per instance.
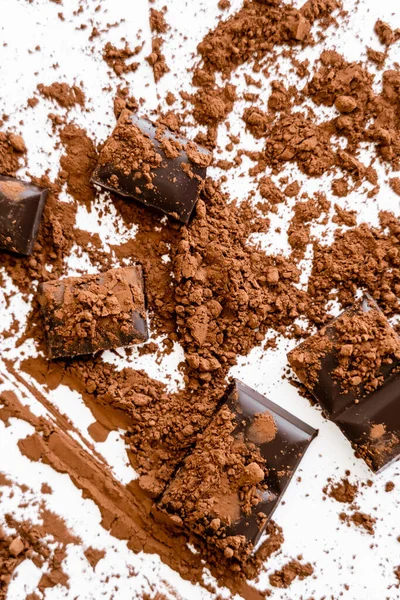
(65, 95)
(224, 293)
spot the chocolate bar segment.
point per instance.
(352, 367)
(230, 484)
(21, 208)
(153, 165)
(83, 315)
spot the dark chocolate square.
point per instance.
(153, 165)
(83, 315)
(230, 484)
(21, 208)
(352, 367)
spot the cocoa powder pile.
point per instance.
(218, 294)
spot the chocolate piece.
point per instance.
(21, 207)
(352, 367)
(83, 315)
(230, 484)
(153, 165)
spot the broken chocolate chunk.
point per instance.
(230, 484)
(83, 315)
(352, 367)
(21, 208)
(151, 164)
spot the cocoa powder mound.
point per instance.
(292, 570)
(65, 95)
(12, 151)
(385, 33)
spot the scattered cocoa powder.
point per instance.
(117, 59)
(360, 519)
(342, 491)
(289, 572)
(65, 95)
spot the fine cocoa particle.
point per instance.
(65, 95)
(389, 486)
(283, 578)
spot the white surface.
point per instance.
(311, 526)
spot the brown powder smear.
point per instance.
(125, 510)
(292, 570)
(65, 95)
(28, 542)
(78, 164)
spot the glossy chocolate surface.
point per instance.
(172, 190)
(382, 409)
(21, 208)
(282, 455)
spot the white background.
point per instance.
(341, 555)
